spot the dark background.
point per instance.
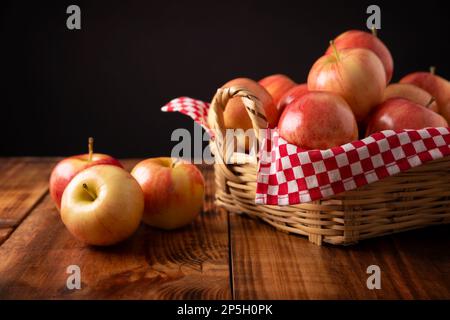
(110, 78)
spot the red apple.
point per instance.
(66, 169)
(437, 86)
(291, 95)
(399, 113)
(355, 74)
(235, 115)
(318, 120)
(277, 85)
(360, 39)
(174, 191)
(410, 92)
(102, 205)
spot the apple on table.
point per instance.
(68, 168)
(174, 191)
(102, 205)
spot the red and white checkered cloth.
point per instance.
(288, 175)
(196, 109)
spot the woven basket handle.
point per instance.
(252, 104)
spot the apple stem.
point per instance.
(89, 192)
(433, 70)
(91, 148)
(374, 31)
(336, 53)
(430, 102)
(174, 162)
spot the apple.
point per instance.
(67, 168)
(292, 94)
(355, 74)
(437, 86)
(102, 205)
(174, 191)
(399, 113)
(360, 39)
(318, 120)
(277, 85)
(235, 115)
(410, 92)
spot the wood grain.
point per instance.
(190, 263)
(194, 262)
(23, 181)
(4, 234)
(274, 265)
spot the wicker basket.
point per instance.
(413, 199)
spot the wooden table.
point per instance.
(219, 256)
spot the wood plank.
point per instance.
(4, 234)
(23, 181)
(190, 263)
(269, 264)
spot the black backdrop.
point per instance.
(110, 79)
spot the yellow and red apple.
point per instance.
(318, 120)
(102, 205)
(277, 85)
(399, 113)
(355, 74)
(174, 191)
(360, 39)
(68, 168)
(410, 92)
(292, 94)
(235, 115)
(435, 85)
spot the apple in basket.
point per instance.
(410, 92)
(360, 39)
(291, 95)
(355, 74)
(68, 168)
(437, 86)
(318, 120)
(277, 85)
(102, 205)
(235, 115)
(399, 113)
(173, 189)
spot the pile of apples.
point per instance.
(347, 96)
(102, 204)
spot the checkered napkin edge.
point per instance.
(196, 109)
(288, 175)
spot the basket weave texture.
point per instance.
(412, 199)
